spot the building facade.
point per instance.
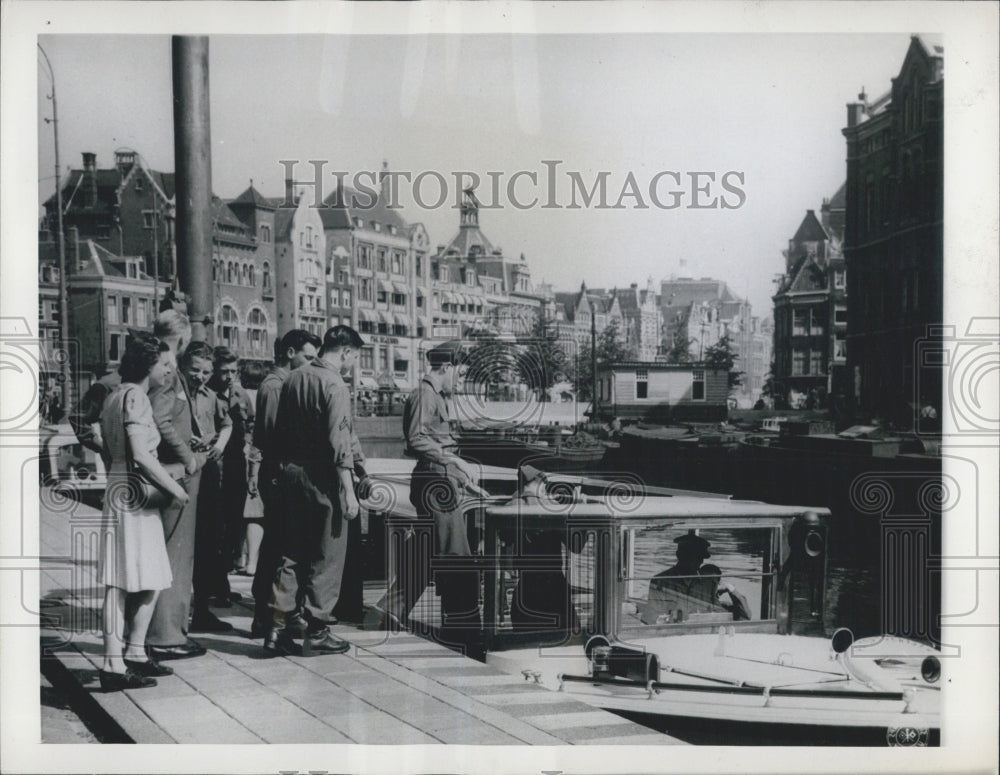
(662, 392)
(810, 312)
(641, 320)
(893, 244)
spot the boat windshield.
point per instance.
(675, 576)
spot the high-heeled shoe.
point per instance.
(116, 682)
(149, 668)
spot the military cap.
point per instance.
(448, 352)
(693, 543)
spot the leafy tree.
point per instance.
(541, 359)
(721, 357)
(680, 350)
(611, 348)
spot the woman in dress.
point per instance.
(133, 560)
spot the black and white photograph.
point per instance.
(500, 387)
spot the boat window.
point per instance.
(545, 589)
(684, 576)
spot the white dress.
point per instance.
(133, 554)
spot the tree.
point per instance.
(720, 357)
(541, 359)
(680, 350)
(610, 349)
(491, 363)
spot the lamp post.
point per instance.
(593, 359)
(64, 370)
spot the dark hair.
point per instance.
(279, 354)
(140, 356)
(197, 350)
(223, 355)
(341, 336)
(296, 339)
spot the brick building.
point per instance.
(893, 244)
(810, 311)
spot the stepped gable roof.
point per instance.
(810, 229)
(341, 207)
(805, 277)
(251, 196)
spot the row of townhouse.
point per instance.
(289, 262)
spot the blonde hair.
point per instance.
(171, 323)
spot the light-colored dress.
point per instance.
(133, 554)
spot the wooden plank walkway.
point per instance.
(389, 689)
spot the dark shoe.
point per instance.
(150, 667)
(206, 621)
(279, 643)
(220, 602)
(297, 624)
(116, 682)
(259, 628)
(323, 642)
(188, 649)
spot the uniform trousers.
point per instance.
(312, 536)
(169, 625)
(210, 573)
(234, 499)
(439, 531)
(269, 554)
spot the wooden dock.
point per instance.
(389, 689)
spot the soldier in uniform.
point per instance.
(441, 480)
(316, 450)
(294, 349)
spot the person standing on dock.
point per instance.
(316, 449)
(439, 484)
(296, 348)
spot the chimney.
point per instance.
(854, 112)
(383, 180)
(289, 185)
(124, 161)
(90, 178)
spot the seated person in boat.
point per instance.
(690, 587)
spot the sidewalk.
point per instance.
(389, 689)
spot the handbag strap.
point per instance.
(129, 458)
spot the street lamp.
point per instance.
(63, 304)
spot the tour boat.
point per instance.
(576, 599)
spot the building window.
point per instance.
(230, 273)
(840, 347)
(345, 297)
(381, 265)
(800, 322)
(309, 236)
(377, 226)
(112, 311)
(840, 315)
(126, 310)
(816, 326)
(397, 263)
(840, 280)
(114, 352)
(383, 358)
(399, 299)
(382, 296)
(228, 334)
(302, 303)
(138, 184)
(698, 385)
(799, 365)
(266, 279)
(342, 277)
(365, 256)
(437, 300)
(420, 301)
(443, 271)
(265, 232)
(365, 289)
(641, 384)
(420, 267)
(141, 314)
(470, 278)
(358, 223)
(816, 363)
(148, 219)
(367, 358)
(257, 331)
(435, 270)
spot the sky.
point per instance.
(766, 109)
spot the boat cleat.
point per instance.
(529, 674)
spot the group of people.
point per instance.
(173, 419)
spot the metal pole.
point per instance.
(193, 165)
(156, 255)
(593, 360)
(64, 371)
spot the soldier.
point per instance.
(439, 484)
(294, 349)
(316, 450)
